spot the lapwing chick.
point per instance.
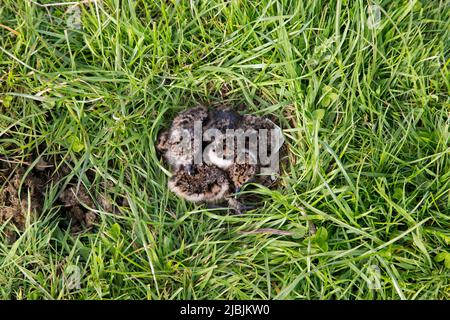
(243, 170)
(273, 141)
(206, 184)
(238, 152)
(221, 151)
(238, 159)
(177, 145)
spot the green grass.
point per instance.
(365, 113)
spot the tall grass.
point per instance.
(364, 109)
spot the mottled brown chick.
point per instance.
(205, 184)
(242, 162)
(244, 170)
(237, 159)
(266, 174)
(241, 165)
(177, 144)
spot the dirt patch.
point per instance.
(14, 205)
(77, 206)
(23, 190)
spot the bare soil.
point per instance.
(22, 194)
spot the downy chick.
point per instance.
(221, 152)
(240, 157)
(243, 170)
(206, 184)
(240, 163)
(177, 144)
(273, 141)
